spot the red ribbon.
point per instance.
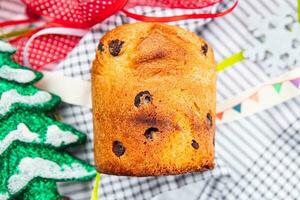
(179, 17)
(182, 4)
(17, 22)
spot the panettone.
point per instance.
(154, 101)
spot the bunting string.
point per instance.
(273, 92)
(262, 97)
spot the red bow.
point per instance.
(53, 47)
(86, 13)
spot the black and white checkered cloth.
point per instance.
(258, 157)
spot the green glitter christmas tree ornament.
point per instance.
(32, 159)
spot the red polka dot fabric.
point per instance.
(45, 49)
(75, 13)
(86, 13)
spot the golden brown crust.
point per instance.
(153, 101)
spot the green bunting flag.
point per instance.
(277, 87)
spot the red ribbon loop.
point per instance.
(179, 17)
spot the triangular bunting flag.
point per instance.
(220, 115)
(237, 107)
(296, 82)
(254, 97)
(277, 87)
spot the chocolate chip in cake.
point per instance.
(65, 198)
(204, 49)
(118, 148)
(209, 120)
(143, 97)
(115, 46)
(100, 47)
(149, 132)
(195, 144)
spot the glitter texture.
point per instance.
(6, 47)
(32, 159)
(6, 61)
(40, 190)
(13, 74)
(12, 158)
(11, 99)
(39, 124)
